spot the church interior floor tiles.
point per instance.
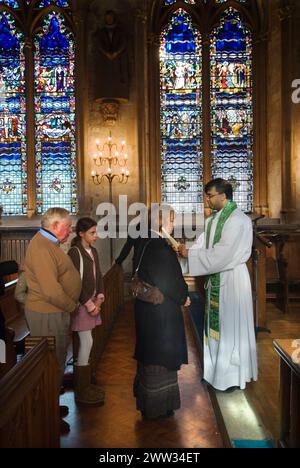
(118, 423)
(243, 425)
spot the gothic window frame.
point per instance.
(206, 17)
(29, 18)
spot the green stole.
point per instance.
(212, 294)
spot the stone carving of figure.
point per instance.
(112, 79)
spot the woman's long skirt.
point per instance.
(156, 390)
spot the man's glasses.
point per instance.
(209, 196)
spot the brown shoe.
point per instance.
(64, 427)
(63, 411)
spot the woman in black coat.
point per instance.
(160, 336)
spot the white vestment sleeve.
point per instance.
(233, 249)
(184, 263)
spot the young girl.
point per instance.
(87, 315)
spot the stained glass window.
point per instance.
(231, 104)
(181, 111)
(10, 3)
(60, 3)
(170, 2)
(13, 169)
(55, 116)
(224, 1)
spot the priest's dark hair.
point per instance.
(221, 186)
(82, 225)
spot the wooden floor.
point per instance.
(119, 424)
(264, 394)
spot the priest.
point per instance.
(221, 254)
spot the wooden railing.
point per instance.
(29, 399)
(15, 240)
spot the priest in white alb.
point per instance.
(221, 254)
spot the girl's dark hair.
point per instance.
(82, 225)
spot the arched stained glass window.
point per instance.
(231, 104)
(10, 3)
(13, 167)
(181, 112)
(55, 116)
(60, 3)
(170, 2)
(224, 1)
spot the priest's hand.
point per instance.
(183, 251)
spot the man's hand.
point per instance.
(187, 302)
(183, 251)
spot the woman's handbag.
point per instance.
(145, 291)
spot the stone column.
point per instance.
(30, 126)
(289, 41)
(206, 118)
(260, 124)
(154, 167)
(142, 109)
(80, 12)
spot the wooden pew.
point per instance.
(10, 352)
(289, 399)
(29, 399)
(282, 264)
(14, 314)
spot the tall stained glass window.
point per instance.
(55, 116)
(231, 104)
(170, 2)
(13, 163)
(181, 112)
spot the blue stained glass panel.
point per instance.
(231, 106)
(55, 116)
(170, 2)
(181, 114)
(224, 1)
(13, 162)
(60, 3)
(10, 3)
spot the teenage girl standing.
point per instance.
(87, 315)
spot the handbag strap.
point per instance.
(141, 257)
(80, 263)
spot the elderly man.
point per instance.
(221, 254)
(54, 285)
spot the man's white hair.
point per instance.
(53, 215)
